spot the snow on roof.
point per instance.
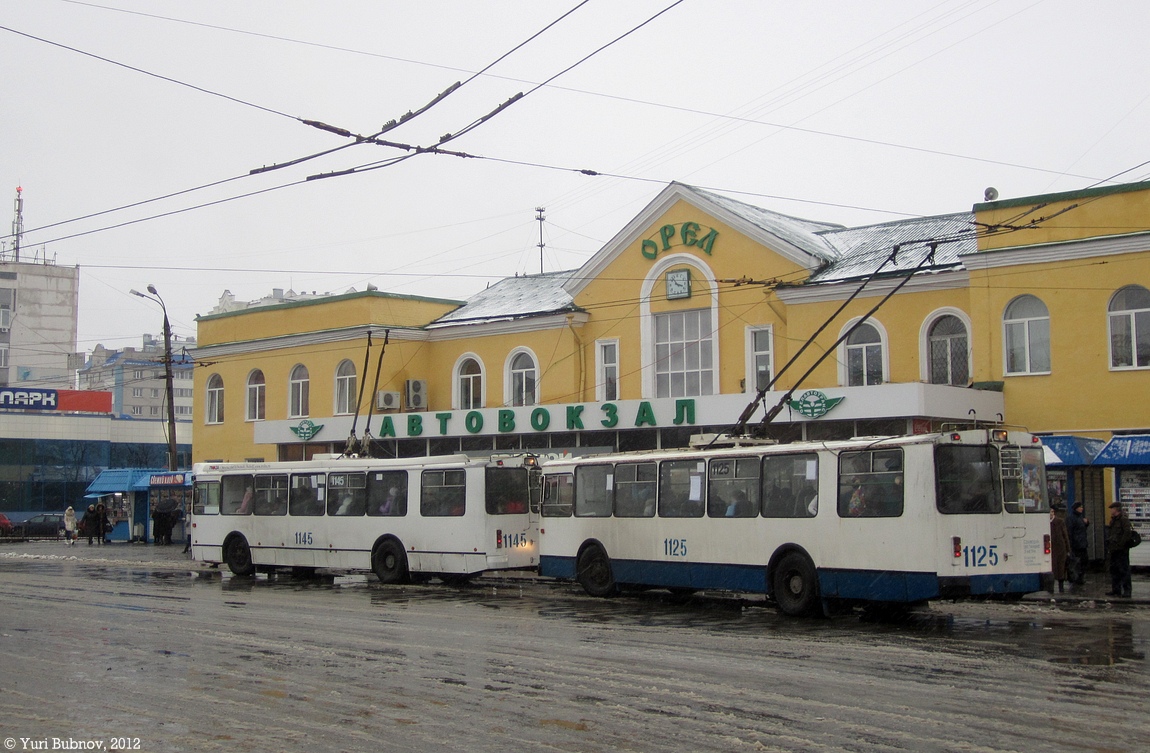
(513, 298)
(861, 250)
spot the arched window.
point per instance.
(522, 379)
(1026, 335)
(298, 406)
(257, 396)
(864, 356)
(215, 402)
(949, 351)
(345, 397)
(470, 380)
(1130, 328)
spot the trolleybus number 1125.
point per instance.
(980, 556)
(675, 547)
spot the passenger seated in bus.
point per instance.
(347, 506)
(635, 502)
(390, 504)
(780, 501)
(807, 502)
(739, 506)
(246, 503)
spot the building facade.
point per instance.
(38, 313)
(137, 378)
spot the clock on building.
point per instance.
(679, 283)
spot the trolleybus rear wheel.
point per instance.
(796, 585)
(593, 571)
(389, 563)
(238, 556)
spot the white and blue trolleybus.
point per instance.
(814, 525)
(450, 516)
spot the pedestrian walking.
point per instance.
(70, 526)
(102, 523)
(1076, 526)
(1059, 544)
(89, 524)
(1119, 537)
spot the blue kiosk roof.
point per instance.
(1131, 449)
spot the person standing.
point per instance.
(102, 523)
(1118, 538)
(70, 526)
(1059, 544)
(89, 523)
(1076, 525)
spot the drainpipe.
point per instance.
(582, 361)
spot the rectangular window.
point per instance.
(5, 318)
(683, 354)
(506, 491)
(966, 480)
(137, 392)
(635, 490)
(183, 410)
(790, 486)
(154, 410)
(1023, 472)
(237, 494)
(206, 498)
(3, 355)
(607, 378)
(444, 494)
(271, 496)
(137, 410)
(870, 484)
(257, 401)
(558, 495)
(308, 494)
(594, 491)
(347, 494)
(733, 488)
(759, 370)
(681, 488)
(387, 493)
(138, 374)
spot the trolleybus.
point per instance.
(888, 521)
(450, 516)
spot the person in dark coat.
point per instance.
(88, 524)
(1119, 535)
(1076, 525)
(102, 523)
(1059, 544)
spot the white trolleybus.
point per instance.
(449, 516)
(878, 521)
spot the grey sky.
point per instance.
(843, 112)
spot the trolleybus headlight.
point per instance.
(1046, 543)
(957, 546)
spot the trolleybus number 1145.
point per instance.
(511, 540)
(675, 547)
(980, 556)
(303, 538)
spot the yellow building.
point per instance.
(1034, 312)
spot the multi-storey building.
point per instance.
(137, 378)
(38, 305)
(1033, 312)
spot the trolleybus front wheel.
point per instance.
(389, 563)
(796, 585)
(238, 556)
(593, 571)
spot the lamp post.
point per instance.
(155, 296)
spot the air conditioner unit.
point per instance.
(387, 400)
(416, 392)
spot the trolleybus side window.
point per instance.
(1023, 479)
(237, 494)
(681, 488)
(387, 493)
(790, 486)
(206, 498)
(635, 490)
(307, 495)
(594, 491)
(444, 494)
(870, 484)
(506, 491)
(733, 488)
(966, 479)
(346, 493)
(558, 495)
(271, 497)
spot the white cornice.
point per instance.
(305, 339)
(839, 291)
(1044, 253)
(507, 326)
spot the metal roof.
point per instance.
(862, 250)
(803, 234)
(513, 298)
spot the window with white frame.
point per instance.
(684, 343)
(214, 413)
(470, 381)
(607, 370)
(523, 376)
(3, 355)
(759, 361)
(345, 397)
(1130, 328)
(1026, 336)
(257, 396)
(137, 410)
(137, 392)
(948, 351)
(299, 385)
(5, 318)
(864, 356)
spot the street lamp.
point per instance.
(155, 296)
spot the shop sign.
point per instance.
(28, 398)
(686, 234)
(814, 404)
(167, 479)
(306, 429)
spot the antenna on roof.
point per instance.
(539, 216)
